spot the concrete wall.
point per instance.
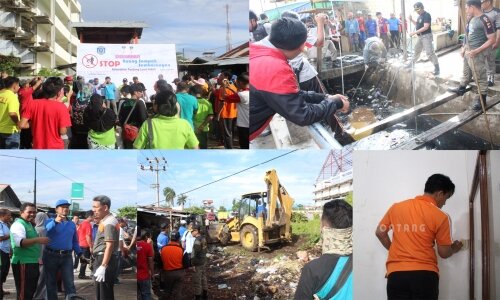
(385, 177)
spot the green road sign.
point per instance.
(76, 190)
(75, 206)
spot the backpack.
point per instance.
(339, 284)
(79, 105)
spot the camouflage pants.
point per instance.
(479, 62)
(490, 62)
(424, 42)
(200, 279)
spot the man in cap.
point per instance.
(199, 261)
(26, 252)
(105, 245)
(57, 256)
(136, 81)
(480, 37)
(494, 14)
(173, 269)
(162, 238)
(176, 81)
(182, 228)
(425, 39)
(274, 88)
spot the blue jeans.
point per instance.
(54, 262)
(144, 289)
(10, 141)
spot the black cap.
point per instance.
(136, 88)
(418, 5)
(175, 235)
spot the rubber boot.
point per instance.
(477, 103)
(204, 296)
(436, 70)
(459, 90)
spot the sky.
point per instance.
(195, 25)
(112, 173)
(187, 170)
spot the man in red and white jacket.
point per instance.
(273, 86)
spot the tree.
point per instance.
(196, 210)
(181, 200)
(222, 208)
(236, 204)
(300, 206)
(8, 63)
(129, 212)
(169, 194)
(45, 72)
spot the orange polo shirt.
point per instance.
(171, 256)
(417, 224)
(229, 110)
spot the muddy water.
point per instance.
(369, 104)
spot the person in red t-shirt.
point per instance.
(49, 117)
(84, 232)
(145, 267)
(25, 95)
(362, 29)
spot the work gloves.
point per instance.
(100, 273)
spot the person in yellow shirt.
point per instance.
(9, 114)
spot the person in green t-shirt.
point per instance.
(168, 131)
(203, 116)
(25, 244)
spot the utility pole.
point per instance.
(34, 188)
(228, 30)
(156, 165)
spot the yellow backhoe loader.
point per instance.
(263, 218)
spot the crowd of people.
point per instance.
(56, 113)
(46, 249)
(168, 257)
(284, 80)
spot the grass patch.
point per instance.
(309, 230)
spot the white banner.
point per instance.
(118, 61)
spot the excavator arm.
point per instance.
(277, 192)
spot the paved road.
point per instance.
(85, 288)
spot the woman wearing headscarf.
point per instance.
(101, 121)
(40, 219)
(165, 130)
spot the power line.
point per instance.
(50, 168)
(236, 173)
(13, 156)
(56, 171)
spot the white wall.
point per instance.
(385, 177)
(494, 207)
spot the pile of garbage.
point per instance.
(347, 60)
(253, 277)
